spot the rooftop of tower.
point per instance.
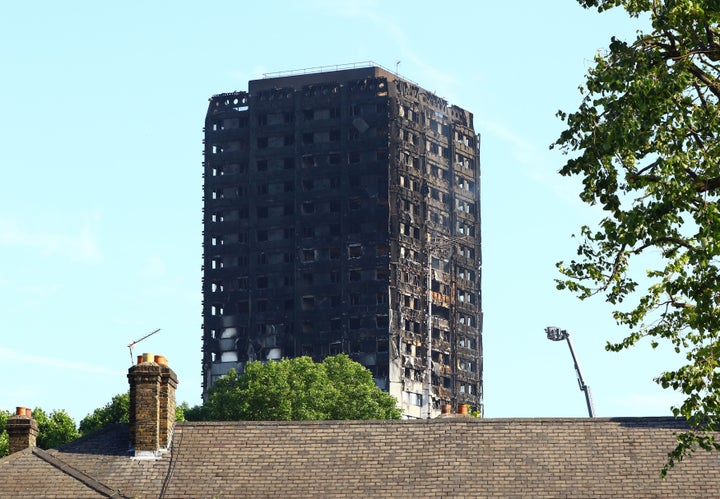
(317, 74)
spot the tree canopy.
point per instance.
(644, 141)
(115, 411)
(4, 439)
(299, 389)
(55, 428)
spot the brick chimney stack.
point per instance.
(168, 386)
(152, 405)
(22, 430)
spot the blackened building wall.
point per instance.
(342, 214)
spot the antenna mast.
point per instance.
(133, 343)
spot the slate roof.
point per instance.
(444, 457)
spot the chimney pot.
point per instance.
(148, 357)
(20, 411)
(139, 359)
(160, 359)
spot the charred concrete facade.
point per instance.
(342, 214)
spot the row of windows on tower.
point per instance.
(463, 165)
(444, 265)
(306, 302)
(332, 276)
(462, 227)
(287, 117)
(464, 295)
(309, 138)
(414, 184)
(333, 159)
(310, 207)
(306, 208)
(445, 335)
(329, 184)
(310, 301)
(360, 128)
(268, 258)
(219, 261)
(332, 230)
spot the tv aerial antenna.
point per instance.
(133, 343)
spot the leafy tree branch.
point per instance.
(644, 141)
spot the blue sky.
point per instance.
(101, 114)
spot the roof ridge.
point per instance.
(639, 420)
(78, 475)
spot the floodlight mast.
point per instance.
(556, 334)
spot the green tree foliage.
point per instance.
(194, 413)
(115, 411)
(4, 442)
(299, 389)
(180, 411)
(55, 428)
(645, 143)
(355, 395)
